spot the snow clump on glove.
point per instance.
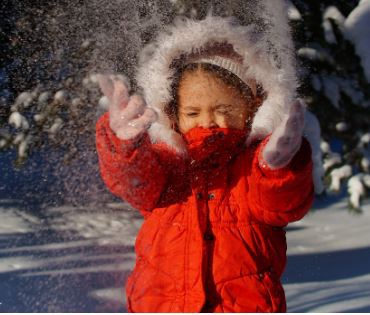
(129, 116)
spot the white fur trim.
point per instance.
(188, 36)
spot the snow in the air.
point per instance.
(72, 258)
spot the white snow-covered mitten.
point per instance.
(129, 116)
(285, 140)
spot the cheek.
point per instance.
(223, 121)
(186, 123)
(236, 120)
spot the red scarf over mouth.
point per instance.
(214, 146)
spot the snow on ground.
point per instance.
(329, 261)
(77, 259)
(13, 221)
(67, 258)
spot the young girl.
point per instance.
(214, 165)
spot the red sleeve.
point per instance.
(131, 169)
(277, 197)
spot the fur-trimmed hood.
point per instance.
(188, 36)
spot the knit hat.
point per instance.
(232, 66)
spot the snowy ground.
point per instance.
(329, 261)
(65, 259)
(76, 259)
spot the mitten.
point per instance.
(129, 116)
(285, 140)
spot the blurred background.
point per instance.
(66, 244)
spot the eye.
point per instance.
(223, 111)
(191, 114)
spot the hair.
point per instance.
(222, 74)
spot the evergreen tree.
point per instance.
(336, 90)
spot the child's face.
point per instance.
(206, 101)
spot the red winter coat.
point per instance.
(213, 238)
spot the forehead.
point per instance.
(199, 85)
(200, 77)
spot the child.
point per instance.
(215, 198)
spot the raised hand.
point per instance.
(285, 140)
(129, 117)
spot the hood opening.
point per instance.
(158, 69)
(228, 78)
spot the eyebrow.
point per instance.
(216, 107)
(223, 105)
(190, 108)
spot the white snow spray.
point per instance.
(279, 34)
(88, 235)
(112, 33)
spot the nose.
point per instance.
(208, 121)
